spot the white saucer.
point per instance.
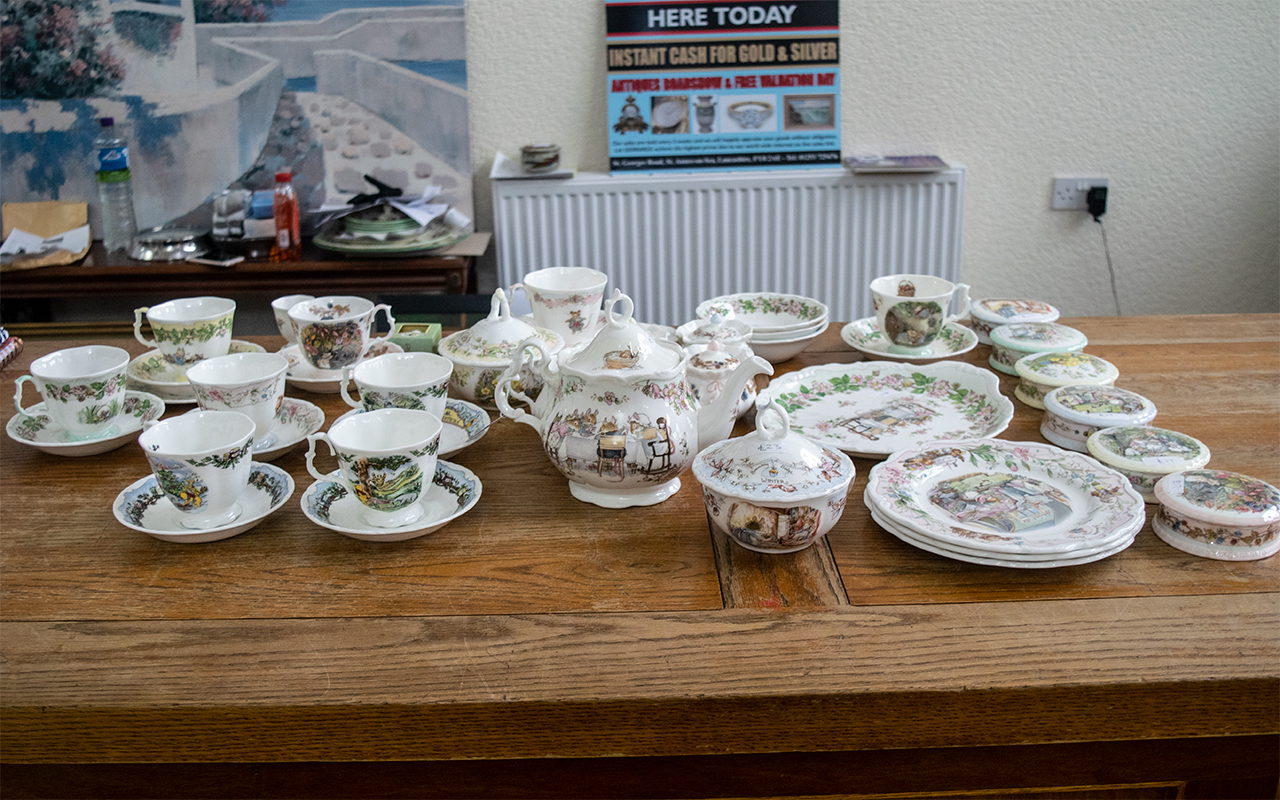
(464, 425)
(295, 421)
(143, 507)
(149, 372)
(44, 434)
(454, 491)
(865, 336)
(324, 381)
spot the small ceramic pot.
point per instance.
(1041, 373)
(539, 158)
(710, 368)
(773, 491)
(727, 332)
(1144, 455)
(1221, 515)
(481, 353)
(1011, 342)
(990, 313)
(1072, 413)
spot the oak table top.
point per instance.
(538, 626)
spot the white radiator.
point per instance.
(671, 241)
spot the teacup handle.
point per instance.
(346, 382)
(311, 454)
(137, 326)
(17, 394)
(391, 321)
(962, 293)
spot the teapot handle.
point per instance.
(504, 390)
(764, 404)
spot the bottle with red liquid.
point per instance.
(288, 243)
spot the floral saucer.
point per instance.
(454, 491)
(325, 381)
(295, 421)
(150, 372)
(45, 435)
(464, 425)
(143, 507)
(874, 408)
(865, 336)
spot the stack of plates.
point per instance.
(782, 325)
(1023, 505)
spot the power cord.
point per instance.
(1097, 201)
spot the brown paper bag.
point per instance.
(44, 219)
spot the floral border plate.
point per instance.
(874, 408)
(149, 372)
(143, 507)
(42, 433)
(1005, 497)
(454, 491)
(865, 336)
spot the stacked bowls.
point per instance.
(782, 325)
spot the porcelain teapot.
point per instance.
(617, 416)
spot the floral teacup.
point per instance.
(202, 462)
(250, 383)
(565, 300)
(189, 329)
(911, 310)
(400, 380)
(83, 389)
(334, 332)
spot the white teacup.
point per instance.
(399, 380)
(335, 331)
(189, 329)
(280, 308)
(250, 383)
(83, 389)
(386, 458)
(202, 462)
(911, 310)
(565, 300)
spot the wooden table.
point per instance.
(542, 647)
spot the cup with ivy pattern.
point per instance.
(202, 462)
(189, 329)
(386, 458)
(399, 380)
(83, 389)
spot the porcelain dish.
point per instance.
(151, 373)
(1041, 373)
(454, 491)
(1011, 342)
(1006, 497)
(143, 507)
(776, 352)
(1216, 514)
(874, 408)
(1072, 413)
(1145, 455)
(766, 312)
(464, 424)
(996, 311)
(47, 436)
(773, 490)
(325, 381)
(294, 422)
(866, 337)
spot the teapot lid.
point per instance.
(623, 346)
(715, 328)
(773, 463)
(496, 337)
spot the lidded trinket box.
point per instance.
(1011, 342)
(1071, 413)
(481, 353)
(990, 313)
(1041, 373)
(1216, 514)
(1144, 454)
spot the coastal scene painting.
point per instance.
(218, 94)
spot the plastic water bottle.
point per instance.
(115, 190)
(288, 219)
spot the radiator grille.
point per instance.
(671, 241)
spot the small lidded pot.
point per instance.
(481, 353)
(988, 314)
(1144, 454)
(1041, 373)
(1072, 413)
(1215, 514)
(1011, 342)
(728, 332)
(773, 491)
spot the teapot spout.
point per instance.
(716, 416)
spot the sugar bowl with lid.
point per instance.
(772, 490)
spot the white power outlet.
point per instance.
(1070, 194)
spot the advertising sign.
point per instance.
(697, 86)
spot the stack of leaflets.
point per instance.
(896, 164)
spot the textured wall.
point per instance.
(1175, 101)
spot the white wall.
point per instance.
(1177, 102)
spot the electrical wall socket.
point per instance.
(1070, 194)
